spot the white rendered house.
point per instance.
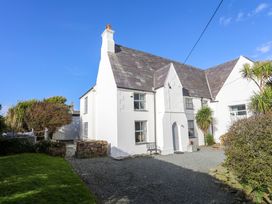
(141, 98)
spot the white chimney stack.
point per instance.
(107, 40)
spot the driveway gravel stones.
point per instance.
(178, 178)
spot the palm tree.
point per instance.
(262, 102)
(261, 74)
(204, 120)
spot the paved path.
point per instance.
(178, 178)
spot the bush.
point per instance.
(249, 151)
(15, 146)
(209, 139)
(51, 148)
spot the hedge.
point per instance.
(24, 145)
(15, 146)
(249, 151)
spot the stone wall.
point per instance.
(92, 148)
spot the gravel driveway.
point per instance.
(178, 178)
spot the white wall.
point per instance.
(126, 121)
(170, 109)
(89, 116)
(106, 103)
(236, 90)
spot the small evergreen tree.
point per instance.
(204, 120)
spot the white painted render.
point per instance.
(126, 121)
(235, 91)
(170, 110)
(111, 115)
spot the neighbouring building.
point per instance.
(141, 98)
(70, 132)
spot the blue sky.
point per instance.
(52, 47)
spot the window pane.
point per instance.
(138, 136)
(86, 105)
(142, 105)
(241, 113)
(142, 97)
(136, 105)
(191, 130)
(189, 103)
(137, 126)
(136, 96)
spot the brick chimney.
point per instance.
(107, 40)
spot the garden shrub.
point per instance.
(51, 148)
(15, 145)
(209, 139)
(249, 151)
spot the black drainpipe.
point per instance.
(155, 118)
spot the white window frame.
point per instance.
(237, 113)
(139, 101)
(142, 130)
(189, 105)
(191, 128)
(85, 129)
(86, 105)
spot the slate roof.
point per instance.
(217, 75)
(138, 70)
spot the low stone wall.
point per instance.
(92, 148)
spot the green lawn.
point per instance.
(38, 178)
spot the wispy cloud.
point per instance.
(241, 16)
(225, 21)
(261, 7)
(265, 48)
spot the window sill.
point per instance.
(140, 110)
(141, 143)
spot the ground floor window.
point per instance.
(238, 110)
(85, 129)
(140, 131)
(191, 129)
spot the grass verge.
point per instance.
(227, 177)
(38, 178)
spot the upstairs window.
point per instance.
(140, 131)
(238, 110)
(189, 103)
(139, 101)
(204, 103)
(191, 129)
(86, 105)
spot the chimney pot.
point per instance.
(108, 26)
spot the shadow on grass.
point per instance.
(38, 178)
(149, 180)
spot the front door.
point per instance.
(175, 137)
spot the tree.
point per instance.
(44, 114)
(16, 115)
(2, 123)
(56, 99)
(262, 102)
(261, 74)
(204, 120)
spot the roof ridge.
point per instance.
(216, 66)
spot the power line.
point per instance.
(202, 33)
